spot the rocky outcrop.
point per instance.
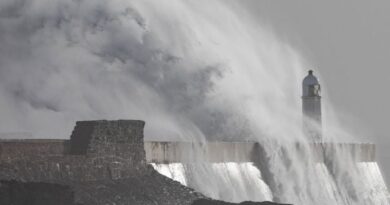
(147, 188)
(35, 193)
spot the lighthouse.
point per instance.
(311, 107)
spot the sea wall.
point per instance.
(173, 152)
(186, 152)
(106, 162)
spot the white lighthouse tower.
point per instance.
(311, 107)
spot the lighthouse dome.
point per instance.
(310, 79)
(310, 85)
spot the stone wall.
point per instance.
(10, 149)
(98, 137)
(97, 150)
(69, 168)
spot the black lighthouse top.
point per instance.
(311, 85)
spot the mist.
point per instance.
(186, 70)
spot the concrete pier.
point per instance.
(187, 152)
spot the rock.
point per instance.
(35, 193)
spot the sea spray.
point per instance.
(233, 182)
(194, 71)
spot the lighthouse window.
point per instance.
(314, 90)
(317, 90)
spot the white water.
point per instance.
(233, 182)
(376, 192)
(325, 180)
(192, 70)
(236, 182)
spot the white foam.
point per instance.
(237, 182)
(232, 182)
(375, 191)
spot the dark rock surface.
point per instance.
(146, 188)
(149, 188)
(35, 193)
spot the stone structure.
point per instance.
(97, 150)
(103, 163)
(106, 162)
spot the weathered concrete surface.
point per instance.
(165, 152)
(171, 152)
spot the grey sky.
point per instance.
(348, 42)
